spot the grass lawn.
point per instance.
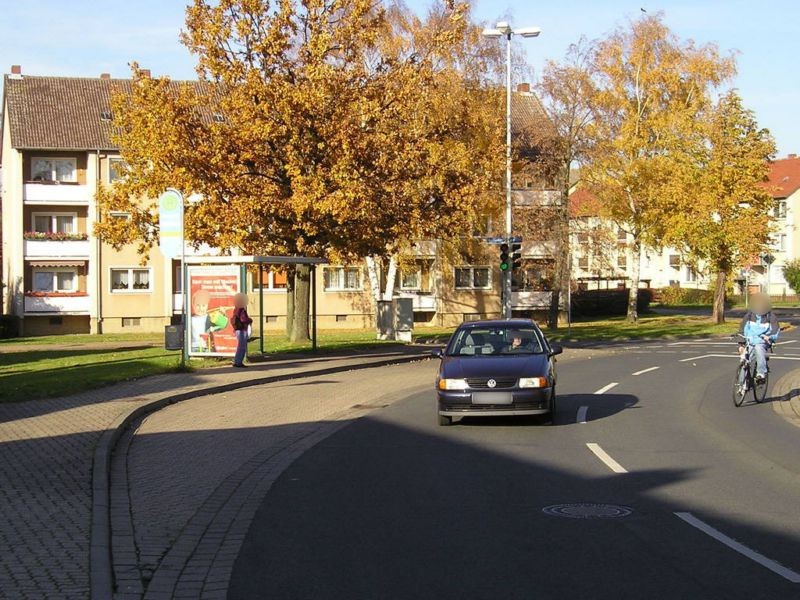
(648, 327)
(74, 363)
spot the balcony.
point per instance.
(54, 193)
(533, 300)
(58, 304)
(66, 249)
(422, 302)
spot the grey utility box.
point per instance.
(173, 337)
(403, 318)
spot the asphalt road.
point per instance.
(703, 498)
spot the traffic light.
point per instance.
(516, 256)
(505, 259)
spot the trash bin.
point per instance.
(173, 337)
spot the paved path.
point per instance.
(46, 456)
(187, 480)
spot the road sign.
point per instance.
(496, 241)
(170, 223)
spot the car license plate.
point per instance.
(492, 398)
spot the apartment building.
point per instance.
(603, 258)
(59, 278)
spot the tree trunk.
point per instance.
(561, 274)
(633, 296)
(719, 297)
(302, 289)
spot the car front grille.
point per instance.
(482, 383)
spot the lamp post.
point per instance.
(505, 30)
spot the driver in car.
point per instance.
(516, 344)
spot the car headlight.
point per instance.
(452, 384)
(533, 382)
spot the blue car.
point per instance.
(497, 368)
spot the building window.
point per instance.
(779, 242)
(130, 280)
(622, 236)
(410, 280)
(117, 169)
(583, 263)
(272, 279)
(472, 278)
(62, 170)
(691, 275)
(55, 280)
(622, 261)
(55, 222)
(675, 261)
(131, 321)
(342, 279)
(780, 209)
(583, 237)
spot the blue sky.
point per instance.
(82, 37)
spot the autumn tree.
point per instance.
(564, 88)
(334, 128)
(723, 216)
(649, 88)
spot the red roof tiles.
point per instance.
(784, 177)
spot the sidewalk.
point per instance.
(55, 466)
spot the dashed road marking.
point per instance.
(643, 371)
(582, 414)
(770, 564)
(605, 388)
(607, 460)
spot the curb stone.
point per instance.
(101, 579)
(786, 397)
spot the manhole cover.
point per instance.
(587, 510)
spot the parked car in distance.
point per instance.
(497, 368)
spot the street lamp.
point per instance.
(503, 29)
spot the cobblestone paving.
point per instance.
(46, 453)
(197, 471)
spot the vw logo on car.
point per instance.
(491, 383)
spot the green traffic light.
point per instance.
(504, 266)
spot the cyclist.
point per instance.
(760, 328)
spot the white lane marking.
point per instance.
(643, 371)
(784, 343)
(603, 455)
(770, 564)
(707, 356)
(772, 357)
(605, 388)
(582, 414)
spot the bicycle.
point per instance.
(745, 380)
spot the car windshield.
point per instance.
(495, 341)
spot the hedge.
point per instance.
(607, 303)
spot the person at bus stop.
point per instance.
(760, 328)
(241, 321)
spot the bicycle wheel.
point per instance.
(760, 389)
(740, 384)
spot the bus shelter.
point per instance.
(262, 262)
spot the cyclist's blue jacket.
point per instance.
(753, 326)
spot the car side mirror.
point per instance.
(556, 349)
(438, 353)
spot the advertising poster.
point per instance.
(211, 296)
